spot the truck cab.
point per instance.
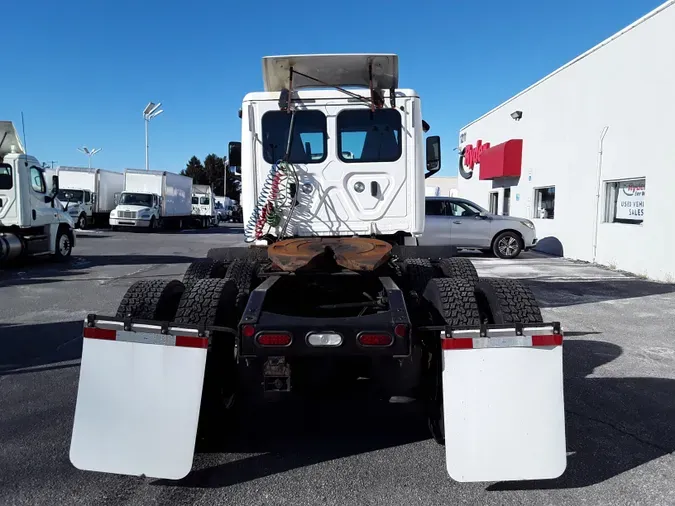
(203, 205)
(357, 159)
(32, 222)
(136, 209)
(79, 204)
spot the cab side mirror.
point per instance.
(116, 198)
(55, 185)
(234, 154)
(433, 155)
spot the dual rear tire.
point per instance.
(454, 295)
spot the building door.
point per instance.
(494, 202)
(506, 204)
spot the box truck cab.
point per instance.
(203, 206)
(89, 194)
(32, 222)
(153, 199)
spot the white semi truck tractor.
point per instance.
(32, 222)
(89, 194)
(153, 199)
(331, 288)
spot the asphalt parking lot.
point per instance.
(619, 390)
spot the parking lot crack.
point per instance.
(621, 430)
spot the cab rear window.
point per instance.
(309, 143)
(6, 181)
(369, 136)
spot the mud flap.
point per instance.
(503, 406)
(138, 401)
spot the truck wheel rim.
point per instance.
(508, 246)
(82, 222)
(64, 245)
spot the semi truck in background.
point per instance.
(32, 222)
(89, 194)
(153, 199)
(203, 205)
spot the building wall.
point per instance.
(627, 87)
(446, 185)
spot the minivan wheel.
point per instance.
(507, 245)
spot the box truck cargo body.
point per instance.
(153, 199)
(89, 194)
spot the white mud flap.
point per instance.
(503, 406)
(138, 400)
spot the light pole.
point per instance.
(89, 152)
(150, 111)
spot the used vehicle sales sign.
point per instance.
(630, 203)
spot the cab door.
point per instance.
(9, 208)
(41, 212)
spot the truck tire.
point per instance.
(209, 301)
(212, 302)
(151, 299)
(458, 268)
(202, 269)
(64, 244)
(418, 272)
(454, 302)
(507, 245)
(506, 301)
(243, 273)
(82, 221)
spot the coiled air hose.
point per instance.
(267, 210)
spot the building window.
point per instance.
(625, 201)
(544, 202)
(494, 202)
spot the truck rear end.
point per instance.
(332, 289)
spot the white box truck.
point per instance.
(203, 206)
(153, 199)
(89, 194)
(32, 222)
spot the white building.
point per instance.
(441, 186)
(588, 153)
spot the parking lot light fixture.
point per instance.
(151, 110)
(89, 152)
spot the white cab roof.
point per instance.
(8, 138)
(343, 70)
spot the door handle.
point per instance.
(34, 214)
(458, 222)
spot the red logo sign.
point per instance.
(472, 155)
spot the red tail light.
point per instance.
(401, 330)
(274, 339)
(248, 331)
(375, 339)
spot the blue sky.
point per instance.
(83, 71)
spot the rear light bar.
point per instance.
(375, 339)
(140, 337)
